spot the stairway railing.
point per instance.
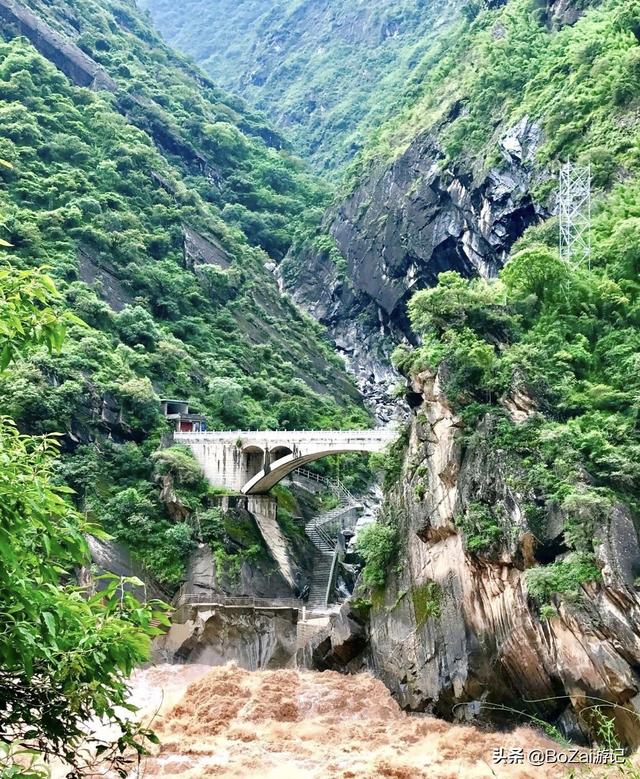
(332, 574)
(312, 528)
(337, 487)
(323, 530)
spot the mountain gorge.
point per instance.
(414, 275)
(327, 73)
(517, 493)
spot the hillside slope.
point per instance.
(327, 72)
(156, 202)
(454, 179)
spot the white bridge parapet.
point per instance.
(253, 461)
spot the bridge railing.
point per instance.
(377, 434)
(242, 601)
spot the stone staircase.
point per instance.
(323, 532)
(319, 538)
(322, 563)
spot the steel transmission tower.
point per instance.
(575, 212)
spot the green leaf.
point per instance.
(50, 622)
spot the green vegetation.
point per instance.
(234, 539)
(377, 544)
(567, 337)
(296, 59)
(504, 63)
(287, 509)
(479, 74)
(391, 461)
(427, 601)
(108, 191)
(65, 653)
(483, 531)
(563, 577)
(548, 611)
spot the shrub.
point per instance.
(563, 577)
(482, 530)
(179, 462)
(377, 544)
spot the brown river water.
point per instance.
(287, 724)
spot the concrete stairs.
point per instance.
(319, 539)
(319, 581)
(323, 532)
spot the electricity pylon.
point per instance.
(574, 212)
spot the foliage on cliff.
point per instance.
(64, 653)
(498, 65)
(566, 337)
(468, 76)
(328, 71)
(105, 190)
(562, 335)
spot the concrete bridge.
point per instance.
(252, 461)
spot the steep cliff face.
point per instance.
(456, 630)
(406, 223)
(468, 162)
(485, 640)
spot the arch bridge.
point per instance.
(252, 462)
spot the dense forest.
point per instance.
(156, 209)
(327, 72)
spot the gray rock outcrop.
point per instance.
(69, 58)
(408, 221)
(254, 639)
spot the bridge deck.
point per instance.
(290, 436)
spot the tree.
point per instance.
(377, 544)
(65, 652)
(226, 400)
(537, 271)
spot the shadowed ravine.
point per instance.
(286, 724)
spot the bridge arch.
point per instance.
(278, 452)
(268, 477)
(254, 458)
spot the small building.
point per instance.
(183, 418)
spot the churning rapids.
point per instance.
(286, 724)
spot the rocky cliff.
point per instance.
(456, 630)
(408, 221)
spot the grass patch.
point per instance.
(427, 601)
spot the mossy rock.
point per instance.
(427, 601)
